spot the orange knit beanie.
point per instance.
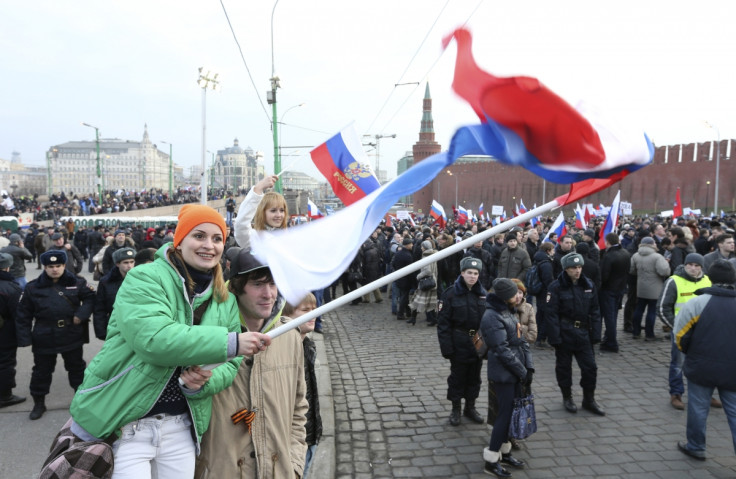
(193, 215)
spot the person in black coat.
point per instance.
(510, 367)
(545, 270)
(574, 325)
(460, 310)
(53, 316)
(372, 264)
(615, 263)
(107, 289)
(95, 242)
(477, 251)
(9, 296)
(407, 283)
(591, 270)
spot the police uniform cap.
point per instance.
(53, 257)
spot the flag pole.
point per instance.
(417, 265)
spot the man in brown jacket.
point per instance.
(257, 428)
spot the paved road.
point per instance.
(391, 412)
(387, 381)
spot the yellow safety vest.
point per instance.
(686, 289)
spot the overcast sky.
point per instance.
(668, 66)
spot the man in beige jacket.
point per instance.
(258, 424)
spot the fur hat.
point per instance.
(192, 215)
(647, 240)
(722, 272)
(504, 288)
(122, 254)
(53, 256)
(470, 262)
(571, 260)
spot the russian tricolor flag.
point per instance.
(462, 215)
(438, 213)
(611, 221)
(579, 218)
(526, 124)
(343, 163)
(313, 211)
(559, 227)
(522, 208)
(480, 210)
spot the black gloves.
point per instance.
(529, 377)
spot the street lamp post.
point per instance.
(205, 81)
(455, 176)
(271, 98)
(171, 168)
(48, 169)
(99, 170)
(707, 194)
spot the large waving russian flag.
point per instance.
(526, 124)
(343, 163)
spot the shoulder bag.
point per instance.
(70, 457)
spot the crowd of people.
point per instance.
(60, 205)
(183, 310)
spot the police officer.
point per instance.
(460, 311)
(9, 296)
(108, 287)
(574, 325)
(60, 303)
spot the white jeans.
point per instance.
(157, 447)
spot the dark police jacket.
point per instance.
(573, 314)
(9, 296)
(459, 318)
(53, 306)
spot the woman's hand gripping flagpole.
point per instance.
(416, 266)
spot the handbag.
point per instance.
(355, 277)
(480, 346)
(523, 418)
(71, 457)
(427, 283)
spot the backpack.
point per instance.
(532, 281)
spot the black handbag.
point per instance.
(523, 418)
(427, 283)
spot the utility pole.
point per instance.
(99, 170)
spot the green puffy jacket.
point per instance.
(149, 335)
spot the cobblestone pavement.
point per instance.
(389, 386)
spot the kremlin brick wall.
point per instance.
(650, 190)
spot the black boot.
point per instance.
(39, 407)
(431, 318)
(508, 459)
(413, 318)
(455, 414)
(589, 403)
(471, 413)
(7, 398)
(567, 400)
(493, 464)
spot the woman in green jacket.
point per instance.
(172, 343)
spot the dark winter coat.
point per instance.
(9, 297)
(705, 332)
(615, 264)
(557, 259)
(20, 255)
(460, 312)
(371, 261)
(95, 242)
(403, 257)
(107, 290)
(314, 419)
(509, 355)
(53, 306)
(569, 305)
(448, 269)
